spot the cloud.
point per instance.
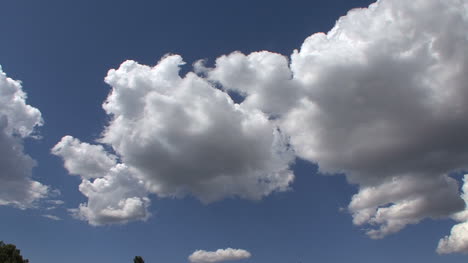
(184, 136)
(202, 256)
(175, 136)
(264, 78)
(84, 159)
(52, 217)
(412, 199)
(56, 202)
(385, 102)
(381, 98)
(384, 92)
(53, 204)
(18, 121)
(114, 194)
(457, 241)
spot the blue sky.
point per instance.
(388, 84)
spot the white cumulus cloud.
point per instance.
(174, 136)
(382, 98)
(202, 256)
(385, 102)
(457, 241)
(114, 194)
(412, 199)
(186, 137)
(18, 121)
(264, 78)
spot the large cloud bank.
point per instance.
(382, 98)
(17, 122)
(202, 256)
(385, 101)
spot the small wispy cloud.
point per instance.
(202, 256)
(56, 202)
(52, 217)
(53, 204)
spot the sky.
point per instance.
(247, 131)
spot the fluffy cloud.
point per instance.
(185, 136)
(174, 136)
(457, 241)
(17, 121)
(116, 198)
(382, 98)
(114, 194)
(412, 199)
(385, 101)
(84, 159)
(202, 256)
(264, 78)
(385, 92)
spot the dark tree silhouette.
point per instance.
(138, 259)
(10, 254)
